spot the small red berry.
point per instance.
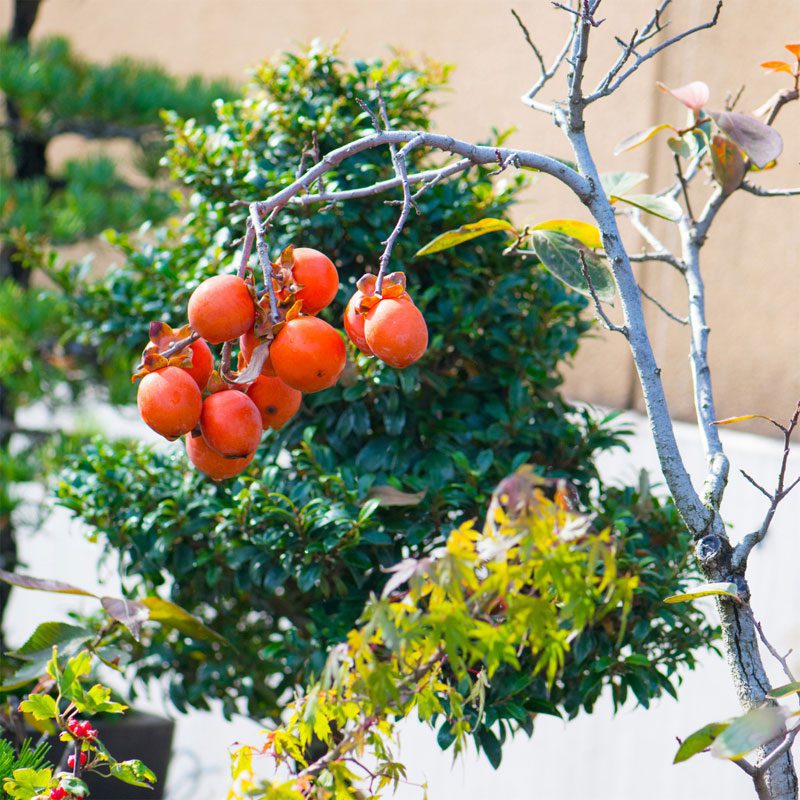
(71, 760)
(81, 729)
(58, 793)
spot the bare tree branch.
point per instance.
(663, 308)
(598, 306)
(609, 86)
(743, 549)
(759, 191)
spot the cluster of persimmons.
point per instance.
(284, 350)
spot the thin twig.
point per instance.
(782, 660)
(598, 308)
(527, 35)
(684, 185)
(759, 191)
(787, 742)
(743, 549)
(664, 309)
(263, 257)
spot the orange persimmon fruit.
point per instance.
(354, 323)
(276, 401)
(169, 401)
(221, 308)
(318, 278)
(211, 463)
(308, 354)
(202, 363)
(396, 332)
(247, 343)
(231, 423)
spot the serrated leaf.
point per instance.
(705, 590)
(389, 496)
(39, 706)
(584, 232)
(48, 634)
(664, 207)
(619, 183)
(699, 741)
(24, 675)
(130, 613)
(761, 142)
(42, 585)
(133, 772)
(640, 137)
(560, 255)
(463, 234)
(170, 614)
(727, 164)
(784, 691)
(75, 786)
(745, 733)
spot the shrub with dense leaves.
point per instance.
(382, 466)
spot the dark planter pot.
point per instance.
(146, 737)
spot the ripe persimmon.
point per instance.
(221, 308)
(202, 363)
(231, 423)
(396, 332)
(169, 401)
(354, 323)
(315, 273)
(308, 354)
(276, 401)
(211, 463)
(247, 343)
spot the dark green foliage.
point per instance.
(283, 559)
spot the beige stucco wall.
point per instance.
(752, 261)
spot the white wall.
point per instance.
(600, 757)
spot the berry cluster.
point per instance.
(71, 760)
(81, 729)
(59, 794)
(284, 350)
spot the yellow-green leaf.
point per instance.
(745, 733)
(640, 137)
(40, 706)
(664, 207)
(743, 418)
(784, 691)
(170, 614)
(584, 232)
(699, 741)
(705, 590)
(463, 234)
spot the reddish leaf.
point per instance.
(693, 95)
(129, 612)
(26, 582)
(761, 142)
(777, 66)
(727, 163)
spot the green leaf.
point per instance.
(634, 140)
(48, 634)
(616, 184)
(680, 146)
(745, 733)
(173, 615)
(41, 706)
(463, 234)
(26, 582)
(664, 207)
(75, 786)
(25, 675)
(584, 232)
(699, 741)
(98, 701)
(784, 691)
(560, 255)
(26, 783)
(761, 142)
(133, 772)
(389, 496)
(704, 590)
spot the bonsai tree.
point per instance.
(380, 467)
(49, 91)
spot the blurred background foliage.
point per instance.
(48, 92)
(282, 559)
